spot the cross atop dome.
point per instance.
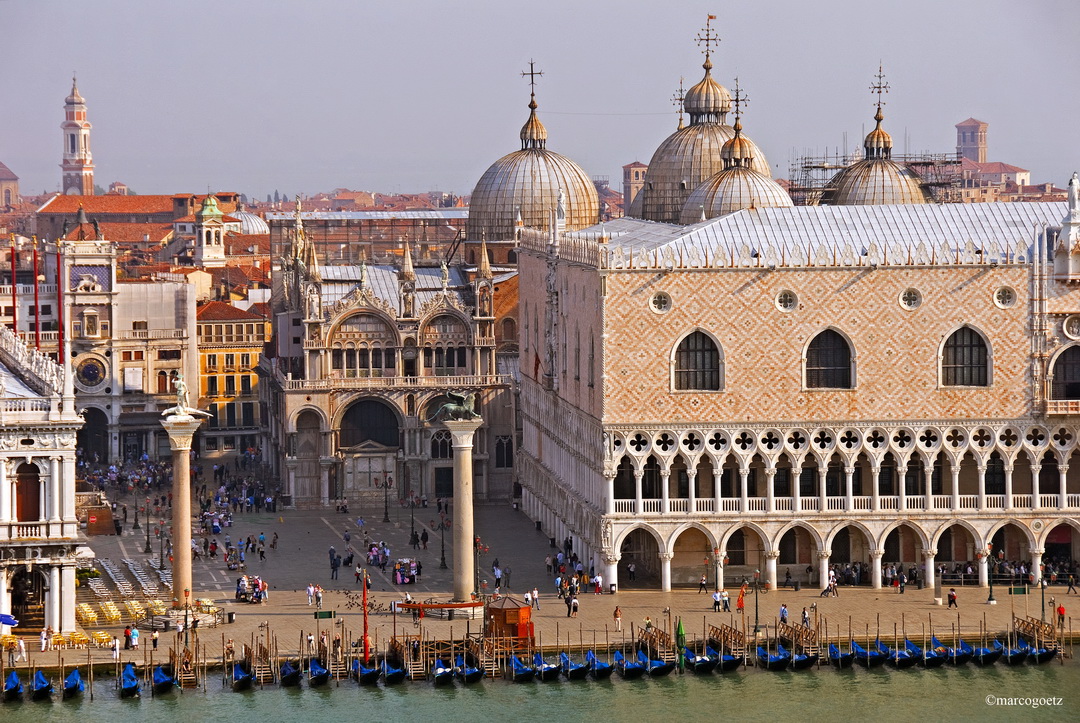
(678, 98)
(532, 73)
(879, 87)
(738, 98)
(709, 38)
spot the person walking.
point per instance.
(806, 618)
(536, 598)
(310, 594)
(424, 540)
(632, 569)
(318, 597)
(617, 616)
(154, 639)
(740, 604)
(506, 576)
(134, 638)
(725, 600)
(574, 607)
(1072, 585)
(783, 614)
(116, 648)
(952, 598)
(703, 584)
(569, 599)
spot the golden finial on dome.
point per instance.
(879, 87)
(878, 143)
(533, 134)
(677, 101)
(709, 38)
(738, 98)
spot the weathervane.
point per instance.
(677, 100)
(738, 98)
(532, 73)
(710, 38)
(879, 87)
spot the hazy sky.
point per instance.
(258, 95)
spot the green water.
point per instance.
(881, 694)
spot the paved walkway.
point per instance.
(305, 537)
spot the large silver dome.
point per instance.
(876, 179)
(525, 184)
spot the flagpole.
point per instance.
(14, 293)
(37, 306)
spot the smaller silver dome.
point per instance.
(249, 222)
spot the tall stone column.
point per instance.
(181, 428)
(771, 556)
(461, 432)
(929, 560)
(665, 570)
(875, 568)
(823, 568)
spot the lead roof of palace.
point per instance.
(13, 385)
(439, 214)
(892, 229)
(338, 281)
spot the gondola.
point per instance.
(927, 657)
(40, 688)
(701, 664)
(317, 675)
(365, 676)
(242, 678)
(290, 674)
(164, 681)
(572, 670)
(392, 675)
(867, 658)
(895, 657)
(772, 662)
(1017, 655)
(1041, 655)
(628, 669)
(73, 685)
(655, 668)
(129, 682)
(839, 659)
(958, 655)
(598, 668)
(13, 688)
(988, 656)
(466, 673)
(545, 671)
(520, 672)
(799, 661)
(442, 673)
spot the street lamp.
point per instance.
(135, 525)
(161, 546)
(1042, 588)
(412, 520)
(990, 571)
(478, 547)
(757, 584)
(386, 498)
(149, 550)
(442, 527)
(187, 607)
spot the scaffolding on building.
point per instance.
(810, 177)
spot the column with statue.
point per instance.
(181, 422)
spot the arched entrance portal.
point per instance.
(1061, 549)
(28, 597)
(956, 557)
(850, 557)
(693, 557)
(745, 552)
(93, 437)
(640, 549)
(308, 449)
(368, 441)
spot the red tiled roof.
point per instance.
(240, 243)
(971, 122)
(221, 311)
(635, 164)
(990, 167)
(130, 233)
(262, 308)
(61, 204)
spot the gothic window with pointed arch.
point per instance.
(828, 362)
(964, 359)
(1066, 372)
(697, 363)
(441, 445)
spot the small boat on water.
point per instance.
(290, 673)
(628, 669)
(701, 664)
(442, 673)
(40, 687)
(728, 662)
(129, 682)
(317, 675)
(392, 675)
(164, 681)
(364, 675)
(927, 657)
(984, 656)
(775, 663)
(73, 685)
(520, 672)
(467, 674)
(895, 657)
(839, 659)
(242, 678)
(573, 670)
(867, 658)
(1041, 654)
(958, 655)
(13, 688)
(655, 668)
(545, 671)
(799, 661)
(1017, 655)
(598, 668)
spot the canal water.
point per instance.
(947, 694)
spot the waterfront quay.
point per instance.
(301, 557)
